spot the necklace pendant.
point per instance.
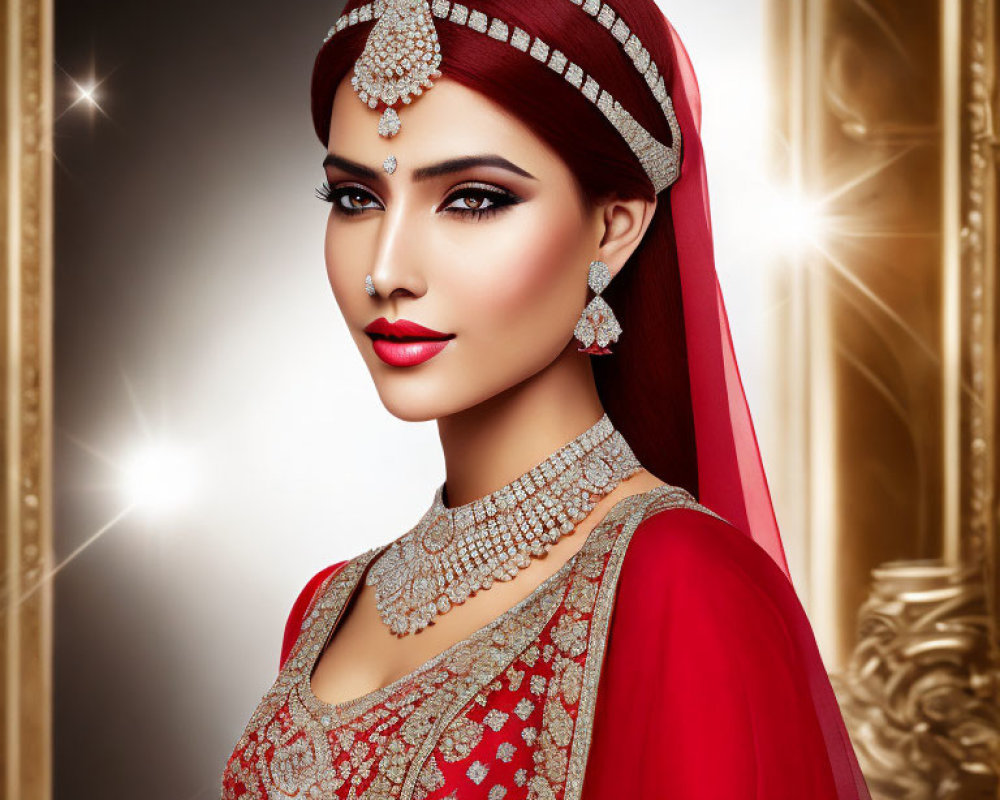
(452, 553)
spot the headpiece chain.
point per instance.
(402, 56)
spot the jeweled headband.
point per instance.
(402, 56)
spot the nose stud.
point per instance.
(369, 286)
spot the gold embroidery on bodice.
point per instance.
(513, 702)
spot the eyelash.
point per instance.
(500, 200)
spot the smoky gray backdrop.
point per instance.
(187, 239)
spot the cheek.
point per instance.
(346, 265)
(331, 250)
(527, 280)
(341, 253)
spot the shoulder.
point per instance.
(683, 561)
(302, 605)
(309, 592)
(716, 609)
(708, 632)
(688, 545)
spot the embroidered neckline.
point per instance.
(358, 705)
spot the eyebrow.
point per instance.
(432, 170)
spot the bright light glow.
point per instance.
(86, 93)
(159, 478)
(794, 223)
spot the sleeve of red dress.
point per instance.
(300, 608)
(713, 687)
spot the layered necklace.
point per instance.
(452, 553)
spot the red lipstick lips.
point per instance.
(404, 343)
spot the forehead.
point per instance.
(446, 119)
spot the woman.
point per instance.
(566, 620)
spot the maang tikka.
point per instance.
(597, 326)
(402, 54)
(400, 60)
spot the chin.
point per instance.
(412, 412)
(440, 388)
(415, 401)
(419, 401)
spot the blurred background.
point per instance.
(191, 433)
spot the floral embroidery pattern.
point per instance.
(505, 713)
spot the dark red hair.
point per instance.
(644, 384)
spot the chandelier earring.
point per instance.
(597, 326)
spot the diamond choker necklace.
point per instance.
(453, 552)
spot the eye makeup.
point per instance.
(497, 199)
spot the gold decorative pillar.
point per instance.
(888, 110)
(26, 308)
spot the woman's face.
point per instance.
(495, 255)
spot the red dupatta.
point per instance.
(731, 477)
(732, 483)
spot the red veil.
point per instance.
(731, 476)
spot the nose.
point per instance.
(396, 271)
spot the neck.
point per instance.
(490, 444)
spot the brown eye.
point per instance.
(476, 203)
(353, 199)
(347, 200)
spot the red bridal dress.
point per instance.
(669, 657)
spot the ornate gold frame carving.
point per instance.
(26, 630)
(899, 97)
(981, 238)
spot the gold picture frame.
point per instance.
(26, 335)
(964, 455)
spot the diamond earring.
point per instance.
(369, 285)
(597, 326)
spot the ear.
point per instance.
(624, 223)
